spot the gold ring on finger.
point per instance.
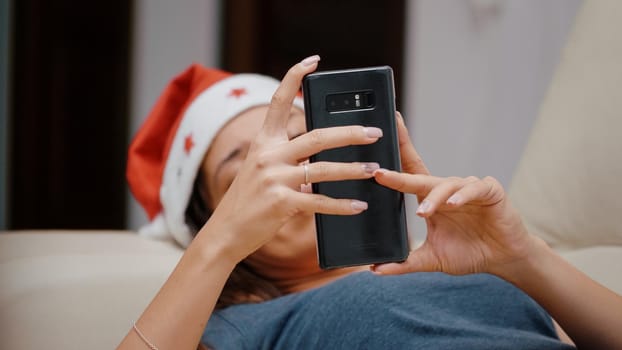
(305, 167)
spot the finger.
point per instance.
(281, 104)
(422, 259)
(329, 171)
(317, 203)
(411, 161)
(439, 195)
(483, 192)
(319, 140)
(417, 184)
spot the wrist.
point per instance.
(216, 244)
(521, 271)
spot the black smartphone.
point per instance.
(365, 97)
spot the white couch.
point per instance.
(77, 289)
(567, 184)
(81, 290)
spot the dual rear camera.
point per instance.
(350, 101)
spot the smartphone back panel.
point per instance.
(378, 234)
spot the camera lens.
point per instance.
(350, 101)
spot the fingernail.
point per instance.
(373, 132)
(454, 199)
(423, 207)
(310, 60)
(370, 167)
(358, 205)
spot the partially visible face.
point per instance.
(295, 241)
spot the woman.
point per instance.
(259, 243)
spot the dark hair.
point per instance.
(244, 284)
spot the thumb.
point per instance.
(411, 161)
(421, 259)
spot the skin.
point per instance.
(288, 260)
(472, 228)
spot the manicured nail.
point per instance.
(370, 167)
(454, 199)
(310, 60)
(373, 132)
(423, 207)
(359, 205)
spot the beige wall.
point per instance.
(477, 71)
(168, 36)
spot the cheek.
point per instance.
(217, 192)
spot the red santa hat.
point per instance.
(167, 152)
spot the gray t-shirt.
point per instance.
(413, 311)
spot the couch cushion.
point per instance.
(77, 291)
(603, 264)
(567, 185)
(16, 244)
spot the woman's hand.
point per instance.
(266, 191)
(471, 225)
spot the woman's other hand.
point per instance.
(472, 228)
(471, 224)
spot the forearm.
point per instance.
(176, 317)
(590, 313)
